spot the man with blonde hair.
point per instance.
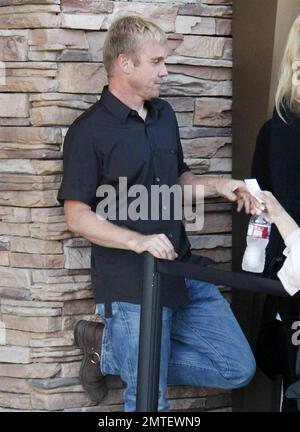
(132, 133)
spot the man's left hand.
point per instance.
(236, 191)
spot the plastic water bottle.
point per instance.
(257, 239)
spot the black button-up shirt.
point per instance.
(109, 141)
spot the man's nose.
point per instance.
(163, 71)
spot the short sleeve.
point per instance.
(81, 167)
(260, 163)
(182, 166)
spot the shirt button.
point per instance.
(157, 179)
(172, 151)
(164, 207)
(170, 235)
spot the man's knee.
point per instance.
(244, 374)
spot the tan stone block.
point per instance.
(9, 182)
(53, 115)
(220, 165)
(53, 231)
(195, 25)
(204, 147)
(18, 293)
(4, 258)
(164, 15)
(181, 104)
(47, 167)
(17, 401)
(76, 307)
(214, 165)
(67, 340)
(60, 276)
(28, 199)
(31, 2)
(35, 370)
(43, 56)
(11, 354)
(30, 20)
(30, 245)
(55, 354)
(48, 215)
(57, 39)
(96, 42)
(19, 166)
(83, 21)
(218, 2)
(210, 241)
(9, 121)
(12, 153)
(82, 77)
(196, 9)
(13, 48)
(14, 277)
(77, 258)
(18, 338)
(13, 228)
(59, 401)
(224, 27)
(15, 385)
(31, 135)
(14, 105)
(92, 6)
(33, 324)
(25, 8)
(15, 214)
(217, 223)
(30, 84)
(69, 370)
(27, 311)
(203, 72)
(204, 46)
(36, 261)
(35, 305)
(45, 294)
(4, 243)
(213, 112)
(177, 85)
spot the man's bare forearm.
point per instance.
(103, 232)
(209, 183)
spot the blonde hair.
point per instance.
(288, 92)
(126, 36)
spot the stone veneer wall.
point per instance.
(52, 53)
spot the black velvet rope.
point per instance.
(242, 281)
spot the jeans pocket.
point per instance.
(108, 363)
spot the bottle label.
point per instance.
(260, 231)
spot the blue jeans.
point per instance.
(202, 345)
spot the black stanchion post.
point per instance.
(150, 339)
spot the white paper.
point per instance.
(253, 188)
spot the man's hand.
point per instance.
(157, 244)
(236, 191)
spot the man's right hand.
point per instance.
(157, 244)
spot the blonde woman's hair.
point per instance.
(288, 91)
(126, 35)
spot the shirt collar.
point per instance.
(122, 111)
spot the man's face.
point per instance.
(146, 77)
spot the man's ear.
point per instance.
(124, 63)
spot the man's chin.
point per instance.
(155, 93)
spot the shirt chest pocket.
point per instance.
(166, 160)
